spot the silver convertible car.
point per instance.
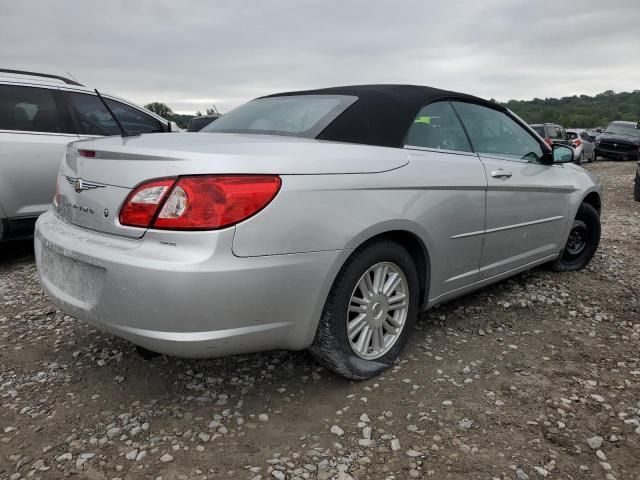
(322, 219)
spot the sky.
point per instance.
(191, 54)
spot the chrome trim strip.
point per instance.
(508, 227)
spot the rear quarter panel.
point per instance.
(340, 212)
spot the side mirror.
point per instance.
(563, 153)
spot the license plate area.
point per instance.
(78, 280)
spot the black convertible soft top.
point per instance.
(383, 114)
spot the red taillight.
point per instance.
(87, 153)
(548, 141)
(142, 204)
(199, 202)
(577, 142)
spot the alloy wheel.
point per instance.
(377, 310)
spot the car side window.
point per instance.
(133, 120)
(95, 119)
(437, 126)
(493, 132)
(29, 109)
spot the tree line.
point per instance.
(580, 111)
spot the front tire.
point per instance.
(370, 312)
(582, 243)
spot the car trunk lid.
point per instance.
(96, 176)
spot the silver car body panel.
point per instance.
(29, 161)
(262, 284)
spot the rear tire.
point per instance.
(580, 159)
(343, 343)
(582, 243)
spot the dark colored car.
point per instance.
(198, 123)
(594, 133)
(620, 141)
(552, 133)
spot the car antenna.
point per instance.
(123, 132)
(71, 75)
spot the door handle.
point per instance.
(500, 173)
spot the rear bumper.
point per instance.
(191, 299)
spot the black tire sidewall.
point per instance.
(588, 215)
(376, 253)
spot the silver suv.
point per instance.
(39, 115)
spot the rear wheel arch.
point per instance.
(416, 249)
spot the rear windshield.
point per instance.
(621, 129)
(572, 135)
(296, 115)
(539, 130)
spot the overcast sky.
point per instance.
(190, 54)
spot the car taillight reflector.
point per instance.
(143, 202)
(87, 153)
(205, 202)
(577, 142)
(548, 141)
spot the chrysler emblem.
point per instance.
(615, 145)
(80, 185)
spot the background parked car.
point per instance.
(39, 115)
(553, 134)
(620, 141)
(594, 133)
(585, 148)
(198, 123)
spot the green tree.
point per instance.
(161, 109)
(580, 111)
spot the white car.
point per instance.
(584, 147)
(39, 115)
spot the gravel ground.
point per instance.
(537, 376)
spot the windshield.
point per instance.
(621, 129)
(296, 115)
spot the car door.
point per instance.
(527, 201)
(34, 130)
(451, 180)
